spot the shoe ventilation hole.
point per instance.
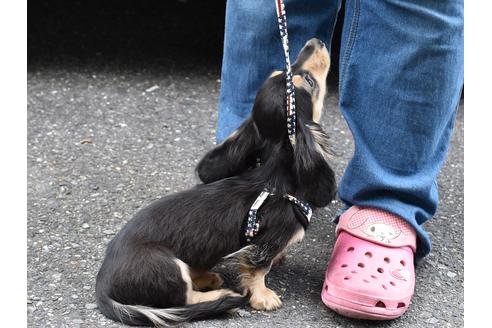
(373, 276)
(350, 249)
(380, 270)
(387, 260)
(353, 271)
(380, 304)
(400, 305)
(402, 262)
(344, 265)
(384, 286)
(392, 283)
(360, 265)
(347, 277)
(326, 287)
(365, 280)
(368, 254)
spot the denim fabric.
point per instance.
(252, 49)
(401, 74)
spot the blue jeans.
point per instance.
(401, 74)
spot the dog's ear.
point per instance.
(236, 154)
(316, 179)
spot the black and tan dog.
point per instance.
(156, 269)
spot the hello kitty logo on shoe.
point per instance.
(381, 232)
(378, 225)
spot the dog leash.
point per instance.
(291, 99)
(253, 224)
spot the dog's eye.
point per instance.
(309, 80)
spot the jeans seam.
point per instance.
(351, 41)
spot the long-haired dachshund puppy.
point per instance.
(156, 269)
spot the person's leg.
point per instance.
(253, 49)
(401, 73)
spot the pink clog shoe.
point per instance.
(371, 272)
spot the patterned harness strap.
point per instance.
(291, 99)
(253, 225)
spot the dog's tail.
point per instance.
(138, 315)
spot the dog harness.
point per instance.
(253, 224)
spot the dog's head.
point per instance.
(309, 78)
(263, 135)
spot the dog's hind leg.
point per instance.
(205, 280)
(194, 296)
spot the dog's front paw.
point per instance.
(265, 299)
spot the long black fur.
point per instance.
(204, 224)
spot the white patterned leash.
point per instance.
(291, 99)
(253, 223)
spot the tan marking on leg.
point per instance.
(297, 237)
(275, 73)
(193, 296)
(206, 280)
(262, 298)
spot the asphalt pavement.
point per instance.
(106, 137)
(102, 144)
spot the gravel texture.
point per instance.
(106, 137)
(101, 147)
